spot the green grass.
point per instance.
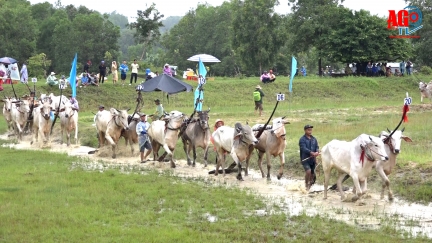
(46, 199)
(339, 108)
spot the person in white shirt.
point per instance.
(143, 138)
(134, 67)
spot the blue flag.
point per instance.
(293, 72)
(201, 68)
(72, 76)
(198, 93)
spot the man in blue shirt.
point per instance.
(123, 70)
(143, 139)
(309, 150)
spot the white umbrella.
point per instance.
(204, 58)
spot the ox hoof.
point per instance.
(193, 165)
(31, 142)
(114, 156)
(279, 177)
(240, 178)
(355, 198)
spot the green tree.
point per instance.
(118, 20)
(38, 65)
(311, 22)
(423, 52)
(257, 32)
(147, 27)
(210, 28)
(17, 40)
(360, 37)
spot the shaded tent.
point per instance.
(165, 83)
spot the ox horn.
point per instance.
(128, 109)
(208, 109)
(403, 129)
(388, 130)
(247, 123)
(283, 117)
(370, 138)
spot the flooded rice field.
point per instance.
(287, 195)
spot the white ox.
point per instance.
(271, 143)
(165, 134)
(68, 122)
(355, 158)
(7, 107)
(109, 125)
(41, 121)
(392, 148)
(20, 112)
(237, 142)
(425, 90)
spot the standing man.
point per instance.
(24, 74)
(87, 66)
(402, 67)
(123, 70)
(102, 72)
(309, 150)
(134, 67)
(408, 67)
(258, 94)
(159, 110)
(143, 139)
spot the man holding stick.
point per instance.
(309, 150)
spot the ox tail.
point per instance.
(167, 149)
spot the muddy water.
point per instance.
(288, 193)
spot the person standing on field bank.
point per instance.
(408, 67)
(143, 138)
(114, 71)
(309, 150)
(123, 70)
(24, 74)
(402, 67)
(258, 94)
(134, 67)
(87, 66)
(102, 72)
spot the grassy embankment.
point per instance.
(45, 198)
(339, 108)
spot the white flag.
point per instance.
(14, 72)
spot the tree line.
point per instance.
(248, 36)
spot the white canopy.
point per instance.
(204, 58)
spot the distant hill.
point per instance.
(169, 23)
(121, 21)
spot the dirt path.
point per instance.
(288, 193)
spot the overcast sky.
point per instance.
(180, 7)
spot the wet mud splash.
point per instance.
(288, 194)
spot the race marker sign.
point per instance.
(34, 80)
(280, 97)
(62, 84)
(407, 101)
